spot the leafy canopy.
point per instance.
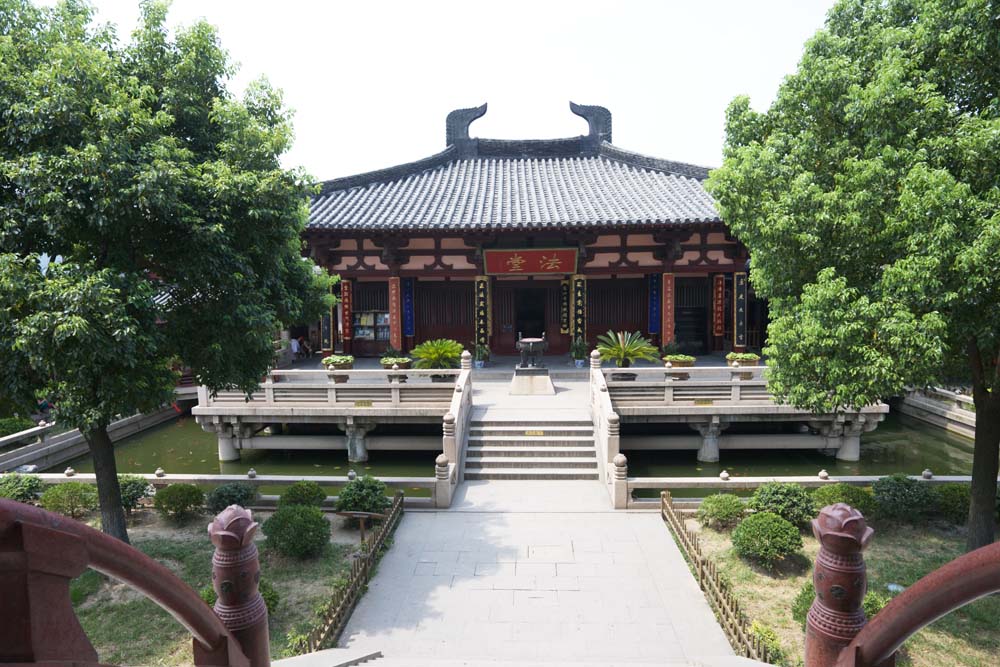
(868, 196)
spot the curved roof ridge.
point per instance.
(389, 173)
(613, 152)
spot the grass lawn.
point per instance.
(969, 637)
(128, 629)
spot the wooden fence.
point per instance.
(717, 591)
(338, 610)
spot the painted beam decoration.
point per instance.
(667, 301)
(580, 307)
(482, 310)
(395, 315)
(409, 321)
(654, 304)
(564, 307)
(739, 310)
(719, 305)
(530, 261)
(346, 310)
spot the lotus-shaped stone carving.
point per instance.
(842, 529)
(233, 528)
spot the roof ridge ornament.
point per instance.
(457, 125)
(597, 117)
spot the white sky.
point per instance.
(371, 82)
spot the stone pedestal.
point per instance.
(709, 451)
(531, 381)
(227, 443)
(357, 448)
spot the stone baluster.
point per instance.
(595, 360)
(442, 482)
(466, 360)
(836, 615)
(235, 577)
(620, 482)
(614, 436)
(448, 439)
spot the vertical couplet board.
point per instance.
(395, 315)
(655, 304)
(346, 310)
(409, 321)
(739, 310)
(667, 301)
(579, 306)
(483, 310)
(564, 307)
(719, 305)
(326, 331)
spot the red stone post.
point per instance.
(836, 615)
(235, 577)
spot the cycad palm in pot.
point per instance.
(438, 353)
(624, 348)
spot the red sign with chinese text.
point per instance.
(530, 261)
(718, 306)
(395, 315)
(346, 311)
(667, 301)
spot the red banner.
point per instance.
(667, 299)
(346, 312)
(719, 305)
(531, 261)
(395, 315)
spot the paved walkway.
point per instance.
(535, 572)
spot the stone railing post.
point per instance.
(235, 578)
(620, 482)
(466, 360)
(442, 482)
(595, 360)
(448, 438)
(614, 436)
(836, 615)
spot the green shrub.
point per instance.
(742, 357)
(22, 488)
(299, 531)
(271, 597)
(769, 640)
(178, 501)
(74, 499)
(857, 497)
(952, 502)
(721, 510)
(789, 501)
(766, 538)
(303, 493)
(12, 425)
(364, 494)
(900, 497)
(134, 489)
(233, 493)
(439, 353)
(872, 604)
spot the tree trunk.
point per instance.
(108, 491)
(985, 463)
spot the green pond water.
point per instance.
(897, 445)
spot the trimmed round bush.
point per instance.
(134, 489)
(22, 488)
(303, 493)
(74, 499)
(952, 502)
(857, 497)
(789, 501)
(299, 531)
(900, 497)
(271, 597)
(363, 494)
(178, 501)
(766, 538)
(721, 510)
(233, 493)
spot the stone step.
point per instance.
(555, 462)
(534, 423)
(529, 474)
(528, 451)
(522, 429)
(532, 441)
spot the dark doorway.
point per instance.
(529, 312)
(692, 300)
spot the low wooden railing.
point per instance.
(41, 552)
(718, 593)
(362, 388)
(338, 610)
(694, 386)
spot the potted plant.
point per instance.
(743, 359)
(578, 350)
(679, 360)
(624, 348)
(339, 362)
(480, 355)
(438, 353)
(401, 361)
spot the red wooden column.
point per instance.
(667, 297)
(346, 314)
(395, 314)
(718, 310)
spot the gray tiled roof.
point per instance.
(517, 185)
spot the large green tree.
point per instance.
(174, 230)
(869, 197)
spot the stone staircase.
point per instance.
(557, 446)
